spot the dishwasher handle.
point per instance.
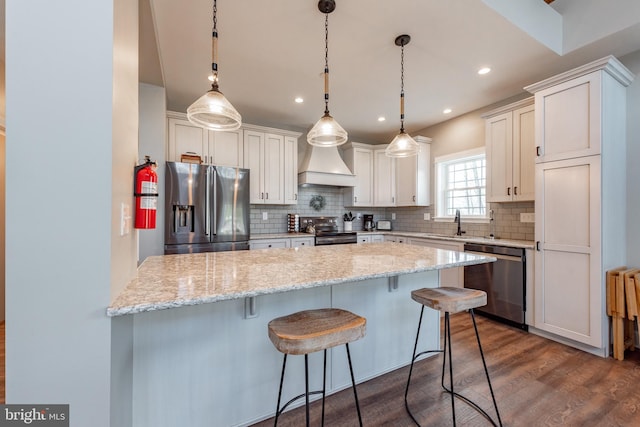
(498, 256)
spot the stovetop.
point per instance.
(322, 226)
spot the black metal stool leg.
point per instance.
(447, 327)
(324, 383)
(486, 371)
(284, 365)
(306, 385)
(353, 382)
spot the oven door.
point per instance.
(336, 240)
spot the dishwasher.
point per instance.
(504, 281)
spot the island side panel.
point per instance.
(392, 321)
(207, 365)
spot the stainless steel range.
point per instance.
(326, 230)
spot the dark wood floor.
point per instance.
(537, 383)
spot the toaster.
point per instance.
(384, 225)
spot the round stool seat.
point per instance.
(309, 331)
(451, 300)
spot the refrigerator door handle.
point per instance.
(213, 206)
(207, 197)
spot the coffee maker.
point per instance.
(369, 225)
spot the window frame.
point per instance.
(439, 163)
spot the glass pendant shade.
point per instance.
(213, 111)
(402, 146)
(327, 133)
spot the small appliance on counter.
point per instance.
(367, 221)
(384, 225)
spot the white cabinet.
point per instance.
(370, 238)
(299, 242)
(580, 197)
(384, 178)
(272, 157)
(290, 170)
(284, 242)
(216, 148)
(264, 156)
(269, 243)
(413, 175)
(449, 276)
(359, 158)
(511, 152)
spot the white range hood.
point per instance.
(324, 166)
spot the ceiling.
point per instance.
(273, 51)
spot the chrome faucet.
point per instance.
(457, 221)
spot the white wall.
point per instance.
(153, 128)
(71, 141)
(632, 62)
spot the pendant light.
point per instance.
(212, 110)
(326, 132)
(402, 145)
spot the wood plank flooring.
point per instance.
(537, 382)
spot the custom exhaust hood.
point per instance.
(324, 166)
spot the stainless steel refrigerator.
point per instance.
(207, 208)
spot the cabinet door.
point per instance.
(384, 180)
(290, 170)
(253, 160)
(413, 178)
(499, 143)
(226, 148)
(363, 170)
(273, 168)
(568, 116)
(524, 153)
(186, 138)
(568, 291)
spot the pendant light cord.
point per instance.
(326, 63)
(402, 88)
(214, 47)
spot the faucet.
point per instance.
(457, 221)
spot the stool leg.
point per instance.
(284, 365)
(324, 383)
(306, 385)
(486, 371)
(447, 340)
(413, 359)
(353, 381)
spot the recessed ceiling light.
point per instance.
(210, 77)
(299, 100)
(446, 111)
(381, 119)
(484, 70)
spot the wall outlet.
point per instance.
(265, 216)
(527, 217)
(427, 216)
(358, 215)
(125, 219)
(393, 215)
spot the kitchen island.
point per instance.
(199, 346)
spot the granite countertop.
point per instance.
(525, 244)
(170, 281)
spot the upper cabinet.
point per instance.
(384, 178)
(271, 155)
(359, 158)
(511, 152)
(215, 148)
(384, 181)
(413, 175)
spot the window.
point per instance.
(461, 184)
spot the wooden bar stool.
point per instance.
(450, 300)
(309, 331)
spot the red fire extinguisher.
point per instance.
(146, 194)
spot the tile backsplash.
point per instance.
(507, 216)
